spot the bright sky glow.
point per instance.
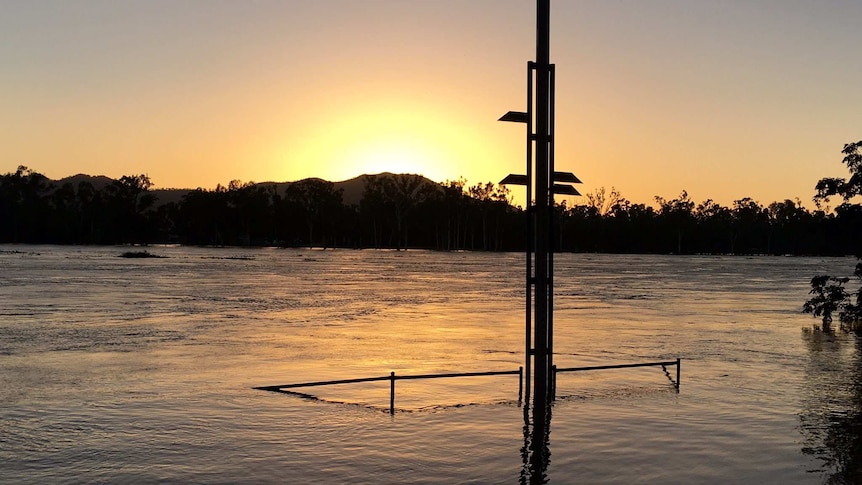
(724, 99)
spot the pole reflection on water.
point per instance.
(536, 452)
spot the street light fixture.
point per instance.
(515, 117)
(540, 221)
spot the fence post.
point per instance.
(392, 392)
(678, 360)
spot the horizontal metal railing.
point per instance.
(664, 364)
(392, 378)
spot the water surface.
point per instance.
(140, 370)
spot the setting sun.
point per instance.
(393, 133)
(396, 156)
(376, 137)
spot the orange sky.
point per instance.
(723, 99)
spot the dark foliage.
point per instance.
(406, 211)
(830, 295)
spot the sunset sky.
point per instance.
(725, 99)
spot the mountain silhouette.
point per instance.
(352, 189)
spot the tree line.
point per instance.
(408, 211)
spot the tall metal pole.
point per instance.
(542, 194)
(531, 237)
(552, 236)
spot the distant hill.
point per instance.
(99, 182)
(352, 188)
(166, 196)
(351, 195)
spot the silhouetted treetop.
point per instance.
(847, 189)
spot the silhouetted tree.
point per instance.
(66, 210)
(455, 210)
(26, 206)
(127, 199)
(251, 214)
(847, 189)
(633, 228)
(750, 226)
(373, 206)
(202, 217)
(603, 201)
(317, 203)
(482, 196)
(715, 223)
(829, 292)
(503, 211)
(402, 193)
(785, 222)
(90, 205)
(677, 214)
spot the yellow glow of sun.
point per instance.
(403, 137)
(402, 155)
(389, 140)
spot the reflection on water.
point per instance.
(141, 371)
(536, 452)
(831, 418)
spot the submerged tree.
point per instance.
(317, 203)
(678, 215)
(25, 205)
(830, 297)
(829, 292)
(128, 199)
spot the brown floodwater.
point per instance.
(119, 370)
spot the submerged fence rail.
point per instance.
(392, 378)
(677, 362)
(520, 373)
